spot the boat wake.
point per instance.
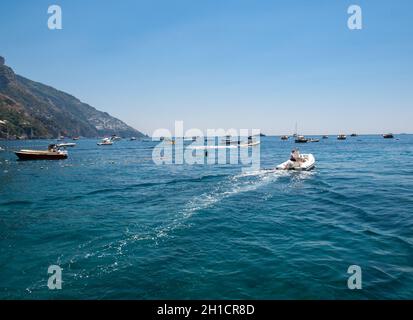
(229, 187)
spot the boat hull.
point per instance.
(40, 156)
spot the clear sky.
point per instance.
(223, 63)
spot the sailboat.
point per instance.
(295, 135)
(299, 138)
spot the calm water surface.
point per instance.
(121, 227)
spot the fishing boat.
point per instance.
(301, 139)
(388, 136)
(354, 135)
(306, 163)
(341, 137)
(325, 137)
(53, 153)
(75, 138)
(284, 137)
(105, 142)
(313, 140)
(132, 139)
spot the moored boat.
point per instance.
(66, 145)
(388, 136)
(301, 139)
(115, 138)
(105, 142)
(325, 137)
(284, 137)
(341, 137)
(53, 153)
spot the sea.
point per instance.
(120, 226)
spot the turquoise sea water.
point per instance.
(124, 228)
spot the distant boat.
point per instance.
(325, 137)
(313, 140)
(115, 138)
(301, 139)
(341, 137)
(295, 135)
(284, 137)
(228, 140)
(354, 135)
(1, 149)
(105, 142)
(388, 136)
(53, 153)
(75, 138)
(132, 139)
(66, 145)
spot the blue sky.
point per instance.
(223, 63)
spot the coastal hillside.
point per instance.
(30, 109)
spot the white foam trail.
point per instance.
(237, 185)
(231, 186)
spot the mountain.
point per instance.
(31, 109)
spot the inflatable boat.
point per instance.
(306, 163)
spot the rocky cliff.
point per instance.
(30, 109)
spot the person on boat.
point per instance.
(295, 155)
(52, 148)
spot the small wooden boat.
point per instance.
(341, 137)
(388, 136)
(53, 153)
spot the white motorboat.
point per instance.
(341, 137)
(306, 163)
(66, 145)
(105, 142)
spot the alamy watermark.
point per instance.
(355, 21)
(55, 280)
(218, 146)
(355, 280)
(55, 19)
